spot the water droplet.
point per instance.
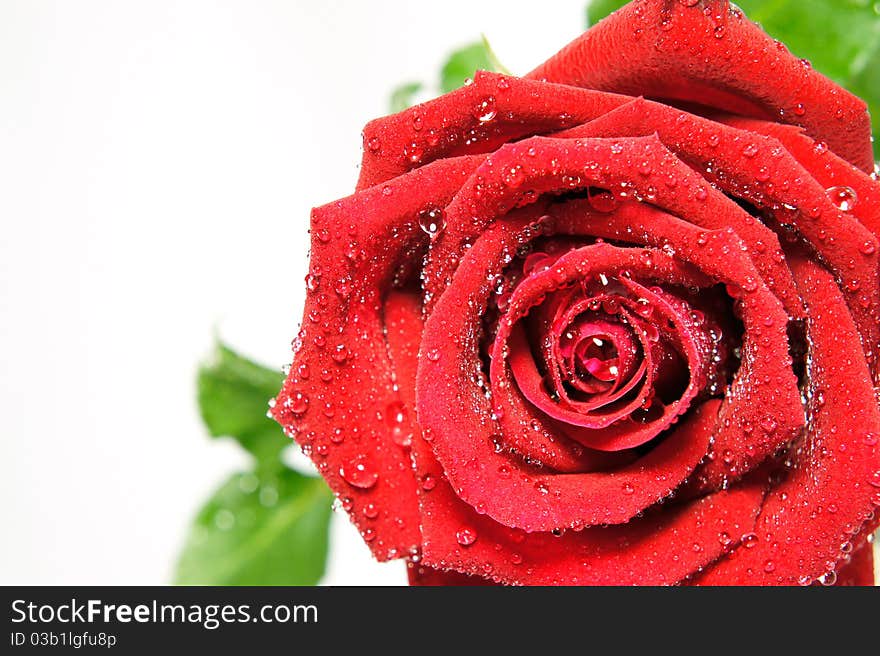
(749, 540)
(514, 176)
(428, 482)
(750, 150)
(628, 488)
(769, 566)
(371, 511)
(395, 417)
(298, 403)
(844, 198)
(601, 200)
(853, 284)
(466, 536)
(867, 248)
(340, 354)
(433, 354)
(359, 473)
(432, 221)
(768, 424)
(374, 145)
(828, 578)
(485, 111)
(413, 152)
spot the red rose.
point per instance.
(615, 322)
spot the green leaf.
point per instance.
(402, 96)
(268, 530)
(462, 64)
(599, 9)
(841, 38)
(233, 396)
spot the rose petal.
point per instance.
(615, 436)
(823, 165)
(757, 417)
(859, 570)
(339, 400)
(712, 55)
(456, 416)
(477, 118)
(424, 575)
(759, 170)
(544, 165)
(661, 548)
(833, 487)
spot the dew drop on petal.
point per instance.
(432, 221)
(466, 536)
(844, 198)
(299, 403)
(485, 111)
(828, 579)
(359, 473)
(601, 200)
(340, 354)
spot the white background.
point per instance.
(157, 165)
